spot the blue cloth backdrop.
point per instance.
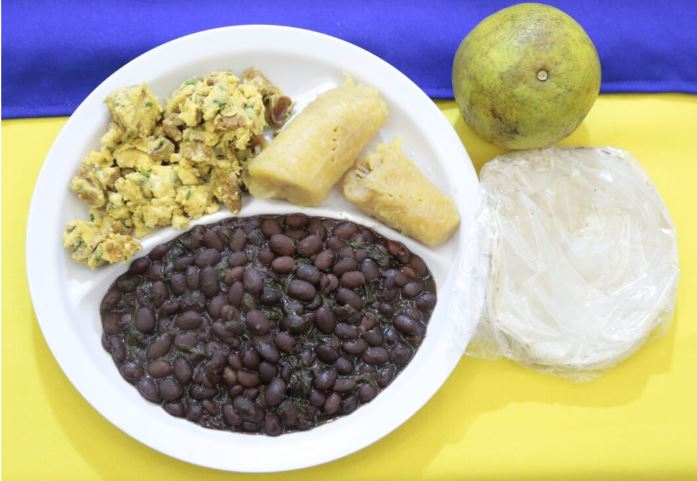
(55, 52)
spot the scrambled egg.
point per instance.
(164, 166)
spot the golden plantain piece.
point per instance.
(310, 155)
(388, 186)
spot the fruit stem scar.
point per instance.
(542, 75)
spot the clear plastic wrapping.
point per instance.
(578, 255)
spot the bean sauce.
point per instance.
(268, 324)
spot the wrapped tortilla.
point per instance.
(310, 155)
(388, 186)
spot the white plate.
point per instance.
(66, 295)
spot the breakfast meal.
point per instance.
(160, 166)
(265, 324)
(388, 186)
(268, 324)
(309, 156)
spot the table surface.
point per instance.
(491, 420)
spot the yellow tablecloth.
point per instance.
(491, 420)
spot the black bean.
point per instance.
(391, 335)
(158, 369)
(334, 243)
(344, 384)
(308, 273)
(325, 260)
(316, 398)
(159, 252)
(268, 351)
(212, 240)
(296, 220)
(368, 321)
(159, 293)
(178, 283)
(161, 346)
(252, 280)
(346, 331)
(182, 263)
(412, 289)
(366, 393)
(272, 424)
(182, 370)
(207, 257)
(283, 264)
(244, 407)
(288, 413)
(385, 375)
(324, 378)
(347, 296)
(374, 337)
(326, 354)
(301, 290)
(324, 320)
(237, 259)
(235, 294)
(175, 409)
(199, 392)
(257, 322)
(345, 230)
(386, 309)
(110, 300)
(170, 389)
(208, 281)
(270, 296)
(192, 277)
(111, 322)
(156, 271)
(127, 284)
(139, 266)
(189, 320)
(406, 325)
(186, 341)
(349, 404)
(266, 257)
(148, 389)
(295, 324)
(309, 246)
(328, 283)
(398, 250)
(347, 252)
(343, 366)
(295, 234)
(332, 404)
(235, 361)
(370, 270)
(211, 406)
(355, 346)
(400, 353)
(375, 355)
(131, 371)
(270, 227)
(231, 417)
(215, 305)
(316, 228)
(352, 279)
(267, 372)
(236, 390)
(345, 264)
(238, 240)
(282, 245)
(284, 341)
(250, 358)
(275, 392)
(426, 301)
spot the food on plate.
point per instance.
(160, 166)
(311, 154)
(268, 324)
(526, 76)
(388, 186)
(583, 259)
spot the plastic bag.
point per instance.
(579, 256)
